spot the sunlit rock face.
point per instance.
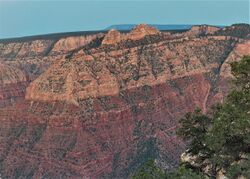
(202, 30)
(65, 45)
(98, 106)
(238, 52)
(25, 49)
(112, 37)
(138, 32)
(98, 74)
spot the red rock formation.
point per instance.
(78, 78)
(102, 135)
(13, 83)
(68, 44)
(34, 56)
(202, 30)
(239, 51)
(112, 37)
(138, 32)
(105, 108)
(25, 49)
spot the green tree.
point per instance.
(149, 171)
(221, 139)
(184, 173)
(193, 129)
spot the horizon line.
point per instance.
(89, 32)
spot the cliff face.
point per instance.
(101, 105)
(106, 72)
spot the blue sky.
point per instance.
(24, 18)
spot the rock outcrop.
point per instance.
(138, 32)
(112, 37)
(68, 44)
(239, 51)
(13, 83)
(202, 30)
(100, 106)
(236, 30)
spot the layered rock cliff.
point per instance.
(101, 106)
(13, 83)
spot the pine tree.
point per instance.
(221, 139)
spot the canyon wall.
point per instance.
(100, 106)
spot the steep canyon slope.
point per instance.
(98, 106)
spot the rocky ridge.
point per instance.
(138, 32)
(202, 30)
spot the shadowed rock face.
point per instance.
(100, 107)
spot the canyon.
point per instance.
(100, 105)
